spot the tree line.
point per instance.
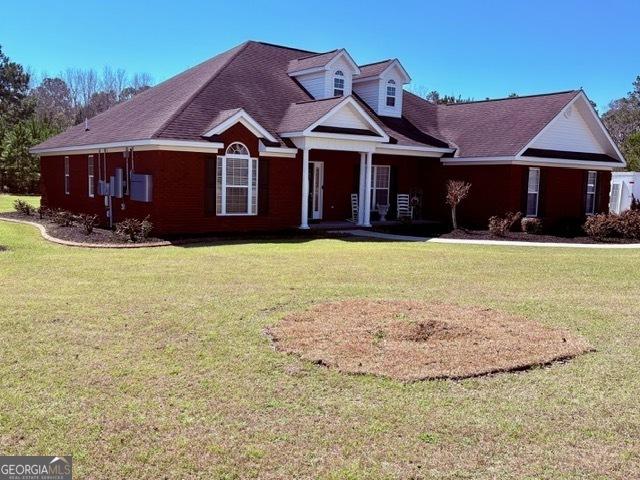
(32, 110)
(623, 122)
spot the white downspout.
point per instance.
(367, 191)
(362, 190)
(304, 207)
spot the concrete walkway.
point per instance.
(503, 243)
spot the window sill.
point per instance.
(236, 214)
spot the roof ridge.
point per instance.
(316, 100)
(286, 47)
(376, 63)
(187, 102)
(318, 54)
(547, 94)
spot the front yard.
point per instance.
(153, 363)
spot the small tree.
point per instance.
(457, 191)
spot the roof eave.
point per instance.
(141, 144)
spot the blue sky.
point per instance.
(473, 48)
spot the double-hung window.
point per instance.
(590, 204)
(66, 175)
(533, 192)
(338, 84)
(391, 93)
(237, 182)
(380, 181)
(90, 176)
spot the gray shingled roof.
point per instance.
(311, 61)
(254, 76)
(373, 69)
(303, 114)
(488, 128)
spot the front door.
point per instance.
(316, 187)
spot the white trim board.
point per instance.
(412, 151)
(245, 119)
(531, 161)
(283, 152)
(141, 145)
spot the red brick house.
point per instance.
(268, 137)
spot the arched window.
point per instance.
(237, 182)
(391, 93)
(237, 148)
(338, 84)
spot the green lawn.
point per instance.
(152, 363)
(6, 201)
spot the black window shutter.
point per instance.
(393, 191)
(542, 194)
(210, 185)
(585, 181)
(525, 192)
(263, 186)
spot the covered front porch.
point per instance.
(348, 189)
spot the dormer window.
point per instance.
(338, 84)
(391, 93)
(380, 85)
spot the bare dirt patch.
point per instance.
(419, 341)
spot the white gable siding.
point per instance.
(314, 83)
(374, 92)
(342, 65)
(569, 132)
(395, 111)
(369, 92)
(346, 117)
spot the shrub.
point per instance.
(88, 222)
(625, 225)
(134, 229)
(498, 226)
(599, 226)
(62, 217)
(501, 226)
(531, 225)
(24, 208)
(635, 203)
(147, 226)
(43, 212)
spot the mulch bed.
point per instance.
(526, 237)
(419, 341)
(76, 233)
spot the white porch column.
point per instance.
(304, 210)
(366, 222)
(362, 190)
